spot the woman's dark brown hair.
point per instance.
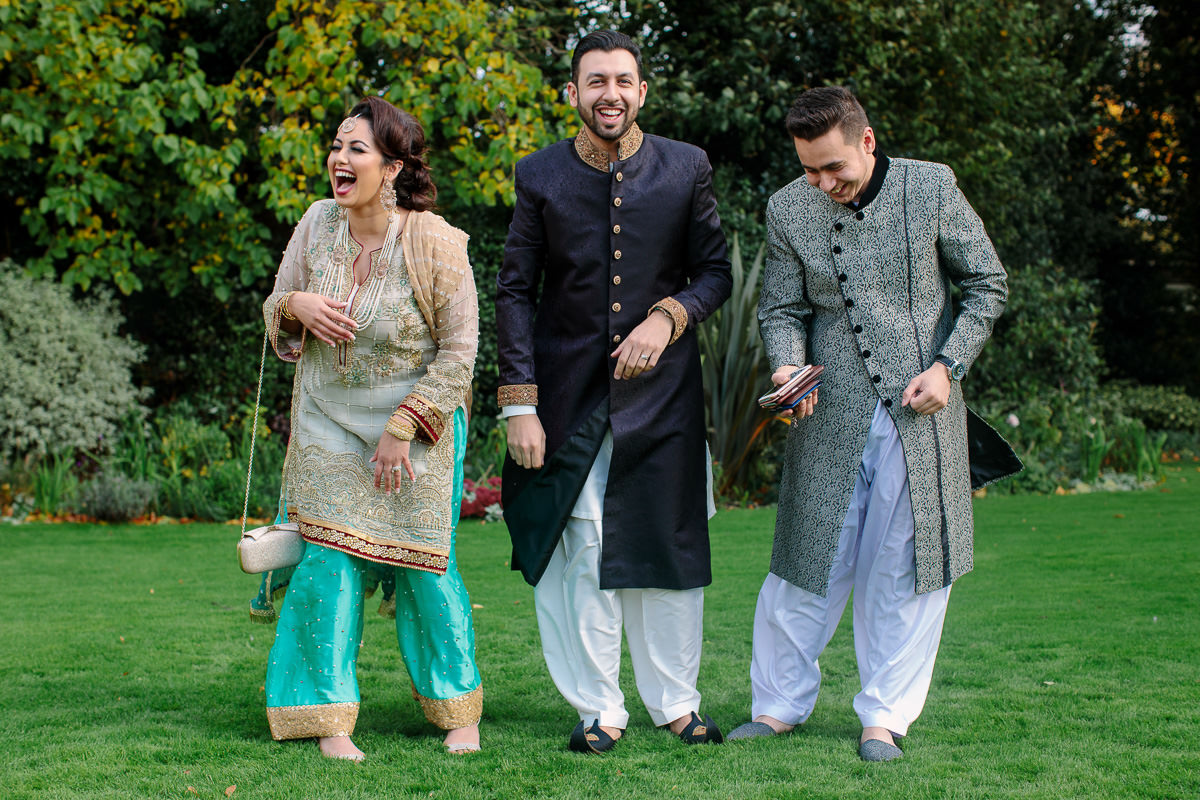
(401, 138)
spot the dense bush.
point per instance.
(1069, 440)
(1044, 342)
(201, 466)
(113, 497)
(173, 465)
(1161, 408)
(64, 368)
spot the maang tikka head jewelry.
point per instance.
(348, 123)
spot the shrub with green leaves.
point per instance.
(202, 466)
(113, 497)
(1160, 408)
(64, 368)
(1045, 342)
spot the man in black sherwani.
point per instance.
(614, 255)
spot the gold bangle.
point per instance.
(283, 305)
(400, 427)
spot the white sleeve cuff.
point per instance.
(516, 411)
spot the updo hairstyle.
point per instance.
(401, 138)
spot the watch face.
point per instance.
(955, 368)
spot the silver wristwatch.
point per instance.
(956, 368)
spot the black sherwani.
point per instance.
(590, 251)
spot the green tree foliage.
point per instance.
(138, 157)
(997, 90)
(1146, 244)
(1034, 353)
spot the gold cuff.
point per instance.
(517, 394)
(675, 310)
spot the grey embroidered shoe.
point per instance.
(877, 750)
(750, 730)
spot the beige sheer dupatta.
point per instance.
(435, 255)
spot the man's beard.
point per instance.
(592, 120)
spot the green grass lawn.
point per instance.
(1069, 667)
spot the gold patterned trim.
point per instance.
(426, 416)
(597, 158)
(676, 311)
(517, 394)
(454, 712)
(275, 329)
(395, 554)
(307, 722)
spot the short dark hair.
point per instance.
(818, 111)
(606, 41)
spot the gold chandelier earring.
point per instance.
(387, 197)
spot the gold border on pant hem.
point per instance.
(453, 712)
(306, 722)
(395, 554)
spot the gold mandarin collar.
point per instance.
(594, 157)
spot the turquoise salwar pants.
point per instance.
(312, 685)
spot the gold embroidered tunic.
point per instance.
(414, 346)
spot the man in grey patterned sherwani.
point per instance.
(875, 492)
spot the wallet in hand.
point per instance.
(799, 386)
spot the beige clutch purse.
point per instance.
(270, 547)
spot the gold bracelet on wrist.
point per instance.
(283, 305)
(400, 427)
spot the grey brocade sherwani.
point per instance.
(867, 294)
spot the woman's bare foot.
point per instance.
(613, 733)
(875, 732)
(340, 747)
(776, 725)
(462, 740)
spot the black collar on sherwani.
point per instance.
(873, 185)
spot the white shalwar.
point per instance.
(896, 631)
(581, 623)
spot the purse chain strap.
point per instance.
(254, 432)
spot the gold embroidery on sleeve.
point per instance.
(676, 311)
(517, 394)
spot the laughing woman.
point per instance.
(375, 301)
